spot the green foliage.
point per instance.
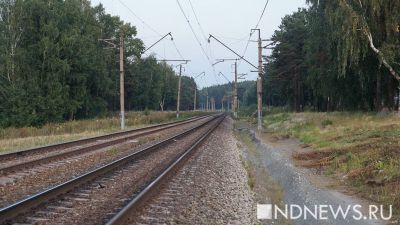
(286, 71)
(223, 93)
(54, 68)
(322, 58)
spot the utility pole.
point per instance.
(235, 94)
(259, 81)
(212, 100)
(122, 71)
(206, 101)
(195, 90)
(120, 46)
(235, 86)
(178, 101)
(214, 107)
(228, 103)
(195, 95)
(121, 80)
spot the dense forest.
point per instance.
(223, 94)
(336, 55)
(54, 68)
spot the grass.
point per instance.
(12, 139)
(250, 172)
(364, 148)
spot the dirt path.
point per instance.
(281, 181)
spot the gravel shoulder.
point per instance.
(298, 185)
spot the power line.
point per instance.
(140, 19)
(197, 38)
(232, 38)
(203, 33)
(262, 14)
(191, 28)
(152, 29)
(177, 50)
(252, 32)
(198, 22)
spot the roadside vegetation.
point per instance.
(27, 137)
(361, 149)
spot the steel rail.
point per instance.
(136, 203)
(22, 206)
(83, 141)
(143, 132)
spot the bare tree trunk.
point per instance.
(14, 37)
(367, 32)
(381, 56)
(162, 104)
(9, 32)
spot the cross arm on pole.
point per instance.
(169, 34)
(241, 57)
(223, 60)
(174, 60)
(202, 73)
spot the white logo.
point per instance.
(323, 212)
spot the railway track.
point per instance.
(21, 160)
(46, 172)
(128, 211)
(126, 181)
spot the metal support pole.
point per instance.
(178, 101)
(235, 94)
(121, 80)
(195, 98)
(228, 103)
(259, 82)
(206, 102)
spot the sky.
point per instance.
(228, 20)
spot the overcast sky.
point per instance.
(228, 20)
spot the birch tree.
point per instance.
(362, 25)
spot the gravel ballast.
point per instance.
(211, 188)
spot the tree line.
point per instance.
(223, 94)
(54, 68)
(336, 55)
